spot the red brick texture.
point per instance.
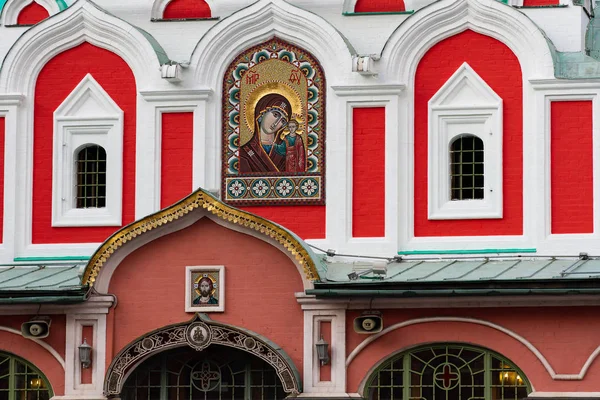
(379, 6)
(308, 222)
(182, 9)
(571, 160)
(260, 282)
(368, 172)
(2, 150)
(176, 157)
(534, 3)
(500, 68)
(55, 82)
(32, 14)
(566, 348)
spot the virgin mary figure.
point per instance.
(267, 149)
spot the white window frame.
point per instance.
(87, 117)
(465, 104)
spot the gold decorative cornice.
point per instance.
(198, 199)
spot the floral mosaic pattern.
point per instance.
(297, 77)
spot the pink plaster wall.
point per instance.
(565, 336)
(260, 282)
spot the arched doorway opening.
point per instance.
(216, 372)
(447, 371)
(19, 379)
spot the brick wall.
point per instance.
(32, 14)
(379, 6)
(176, 157)
(368, 172)
(571, 160)
(499, 67)
(182, 9)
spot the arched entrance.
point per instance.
(214, 373)
(21, 380)
(202, 360)
(447, 372)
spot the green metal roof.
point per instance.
(41, 283)
(468, 276)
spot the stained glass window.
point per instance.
(447, 372)
(20, 380)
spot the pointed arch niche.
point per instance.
(164, 10)
(13, 11)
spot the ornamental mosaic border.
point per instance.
(283, 50)
(198, 199)
(199, 333)
(249, 190)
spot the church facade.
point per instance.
(269, 199)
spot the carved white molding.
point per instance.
(464, 105)
(82, 22)
(261, 21)
(12, 9)
(39, 342)
(538, 354)
(88, 116)
(158, 8)
(407, 45)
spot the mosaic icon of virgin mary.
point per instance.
(272, 148)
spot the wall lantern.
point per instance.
(85, 354)
(323, 351)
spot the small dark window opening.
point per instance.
(466, 168)
(91, 177)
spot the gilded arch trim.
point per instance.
(200, 199)
(199, 333)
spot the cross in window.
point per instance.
(447, 376)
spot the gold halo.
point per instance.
(258, 93)
(209, 276)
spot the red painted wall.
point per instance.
(35, 354)
(308, 222)
(32, 14)
(499, 67)
(55, 82)
(571, 160)
(534, 3)
(368, 172)
(566, 349)
(150, 286)
(2, 150)
(379, 6)
(182, 9)
(176, 157)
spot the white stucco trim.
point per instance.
(12, 9)
(39, 342)
(564, 377)
(158, 8)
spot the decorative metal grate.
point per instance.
(215, 373)
(466, 168)
(20, 380)
(91, 177)
(448, 372)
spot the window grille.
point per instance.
(215, 373)
(466, 168)
(447, 372)
(21, 380)
(91, 177)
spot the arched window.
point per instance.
(466, 168)
(91, 177)
(447, 372)
(215, 373)
(21, 380)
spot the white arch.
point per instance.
(512, 334)
(12, 9)
(41, 343)
(81, 22)
(158, 8)
(413, 38)
(261, 21)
